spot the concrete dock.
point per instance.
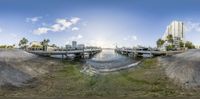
(77, 53)
(145, 53)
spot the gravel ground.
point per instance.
(18, 68)
(184, 68)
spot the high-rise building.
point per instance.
(74, 44)
(176, 29)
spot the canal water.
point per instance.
(109, 60)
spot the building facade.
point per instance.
(80, 46)
(74, 44)
(68, 47)
(176, 29)
(35, 43)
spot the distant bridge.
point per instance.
(77, 53)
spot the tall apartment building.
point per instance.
(176, 29)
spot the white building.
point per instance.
(176, 29)
(35, 43)
(50, 48)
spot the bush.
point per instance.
(6, 46)
(170, 47)
(3, 46)
(189, 45)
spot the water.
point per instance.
(109, 60)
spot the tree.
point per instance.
(160, 42)
(170, 39)
(45, 44)
(181, 44)
(53, 45)
(170, 47)
(189, 45)
(23, 43)
(3, 46)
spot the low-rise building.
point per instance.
(51, 48)
(68, 47)
(80, 46)
(35, 43)
(74, 46)
(35, 46)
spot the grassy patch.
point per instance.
(147, 79)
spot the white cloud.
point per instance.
(75, 29)
(192, 26)
(33, 19)
(42, 30)
(130, 38)
(67, 42)
(64, 23)
(192, 30)
(79, 36)
(133, 37)
(74, 20)
(56, 27)
(60, 25)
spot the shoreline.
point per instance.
(90, 69)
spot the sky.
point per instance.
(104, 23)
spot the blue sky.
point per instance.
(96, 22)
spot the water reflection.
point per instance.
(108, 59)
(107, 55)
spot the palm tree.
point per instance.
(170, 39)
(45, 44)
(181, 44)
(53, 45)
(160, 42)
(23, 43)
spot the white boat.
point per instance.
(149, 55)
